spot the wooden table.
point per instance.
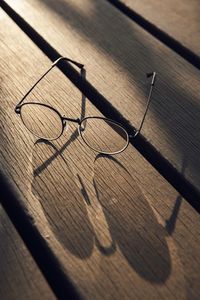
(92, 226)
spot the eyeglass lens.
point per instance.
(103, 135)
(42, 121)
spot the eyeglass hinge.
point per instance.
(132, 136)
(17, 110)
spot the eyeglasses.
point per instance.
(101, 134)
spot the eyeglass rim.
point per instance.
(64, 119)
(111, 121)
(50, 107)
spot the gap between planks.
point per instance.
(158, 33)
(20, 278)
(47, 262)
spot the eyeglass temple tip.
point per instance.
(81, 66)
(153, 75)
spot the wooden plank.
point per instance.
(179, 19)
(103, 218)
(117, 53)
(20, 277)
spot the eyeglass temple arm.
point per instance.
(53, 65)
(153, 75)
(68, 59)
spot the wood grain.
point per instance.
(179, 20)
(117, 53)
(103, 218)
(20, 277)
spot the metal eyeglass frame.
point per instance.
(78, 120)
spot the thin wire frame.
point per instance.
(118, 125)
(63, 120)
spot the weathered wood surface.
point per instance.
(117, 53)
(118, 229)
(179, 19)
(20, 277)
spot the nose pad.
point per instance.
(65, 125)
(81, 128)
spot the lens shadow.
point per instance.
(61, 199)
(132, 223)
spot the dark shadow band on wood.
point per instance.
(45, 259)
(162, 36)
(153, 156)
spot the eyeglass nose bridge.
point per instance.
(64, 119)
